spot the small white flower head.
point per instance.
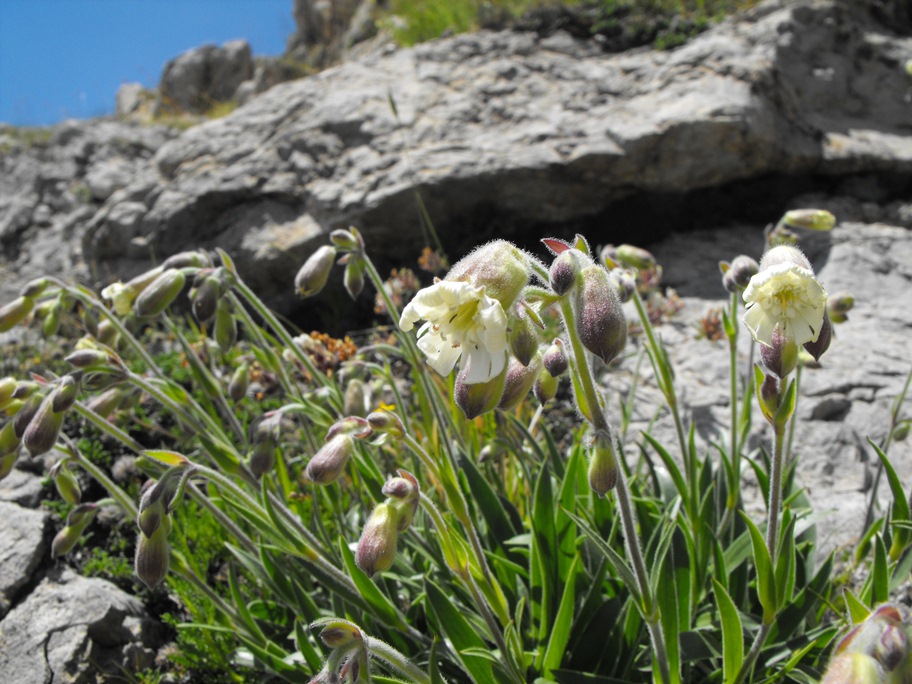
(784, 292)
(465, 316)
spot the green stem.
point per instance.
(391, 656)
(119, 495)
(734, 454)
(624, 501)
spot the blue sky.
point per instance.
(66, 58)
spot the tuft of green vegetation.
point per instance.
(625, 23)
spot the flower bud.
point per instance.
(635, 257)
(355, 400)
(816, 348)
(51, 322)
(312, 276)
(545, 387)
(347, 240)
(377, 546)
(107, 334)
(838, 307)
(107, 402)
(810, 219)
(240, 380)
(555, 359)
(355, 426)
(158, 296)
(768, 396)
(7, 387)
(564, 271)
(603, 466)
(13, 313)
(781, 355)
(340, 633)
(624, 282)
(737, 275)
(43, 429)
(599, 319)
(404, 493)
(500, 267)
(900, 432)
(77, 521)
(328, 463)
(205, 296)
(193, 259)
(35, 287)
(89, 358)
(386, 422)
(226, 331)
(66, 482)
(519, 381)
(64, 395)
(353, 277)
(262, 458)
(478, 398)
(26, 412)
(153, 556)
(522, 336)
(784, 254)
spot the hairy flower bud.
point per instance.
(193, 259)
(160, 293)
(15, 312)
(226, 331)
(810, 219)
(355, 402)
(555, 359)
(7, 387)
(353, 277)
(262, 458)
(312, 276)
(545, 387)
(66, 482)
(347, 240)
(7, 462)
(478, 398)
(404, 493)
(205, 296)
(386, 422)
(736, 275)
(153, 556)
(328, 463)
(600, 321)
(522, 336)
(518, 382)
(625, 282)
(635, 257)
(838, 307)
(35, 288)
(339, 633)
(603, 466)
(499, 267)
(64, 395)
(564, 271)
(9, 440)
(240, 380)
(43, 429)
(780, 356)
(77, 521)
(377, 546)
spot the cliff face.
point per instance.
(508, 133)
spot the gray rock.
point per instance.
(487, 121)
(196, 80)
(842, 403)
(70, 629)
(21, 487)
(129, 99)
(24, 544)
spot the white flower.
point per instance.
(121, 296)
(464, 325)
(788, 295)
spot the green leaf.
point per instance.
(305, 646)
(670, 465)
(461, 634)
(858, 611)
(382, 606)
(732, 634)
(433, 665)
(544, 553)
(787, 405)
(766, 580)
(880, 578)
(170, 459)
(560, 630)
(614, 558)
(490, 505)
